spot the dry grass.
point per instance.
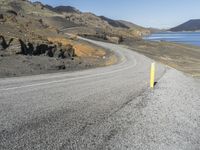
(112, 60)
(185, 58)
(84, 50)
(81, 49)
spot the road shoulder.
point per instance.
(165, 118)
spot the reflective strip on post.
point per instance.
(152, 75)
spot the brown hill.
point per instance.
(88, 24)
(31, 41)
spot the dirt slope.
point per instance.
(31, 43)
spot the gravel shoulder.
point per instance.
(162, 119)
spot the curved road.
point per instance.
(64, 110)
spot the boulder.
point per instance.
(12, 12)
(62, 54)
(36, 50)
(30, 49)
(24, 49)
(40, 49)
(4, 44)
(61, 67)
(51, 51)
(1, 17)
(15, 46)
(70, 50)
(113, 39)
(65, 52)
(57, 52)
(1, 46)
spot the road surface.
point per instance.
(102, 108)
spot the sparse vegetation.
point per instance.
(32, 42)
(182, 57)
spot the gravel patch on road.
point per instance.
(165, 118)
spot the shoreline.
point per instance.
(179, 40)
(183, 57)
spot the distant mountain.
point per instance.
(87, 23)
(73, 21)
(68, 10)
(191, 25)
(121, 23)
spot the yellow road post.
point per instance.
(152, 75)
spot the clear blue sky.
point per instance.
(148, 13)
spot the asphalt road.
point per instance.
(78, 110)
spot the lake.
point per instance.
(178, 37)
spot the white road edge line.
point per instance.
(77, 78)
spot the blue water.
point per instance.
(192, 38)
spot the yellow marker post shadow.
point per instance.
(152, 75)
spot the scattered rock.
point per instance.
(61, 51)
(61, 67)
(62, 54)
(113, 39)
(30, 48)
(43, 24)
(12, 12)
(1, 17)
(40, 49)
(57, 53)
(21, 47)
(24, 48)
(67, 52)
(70, 50)
(51, 51)
(3, 44)
(1, 47)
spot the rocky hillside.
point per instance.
(31, 41)
(191, 25)
(35, 23)
(38, 38)
(23, 25)
(88, 24)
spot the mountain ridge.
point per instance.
(112, 22)
(73, 21)
(32, 42)
(191, 25)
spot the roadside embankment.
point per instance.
(165, 118)
(21, 58)
(185, 58)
